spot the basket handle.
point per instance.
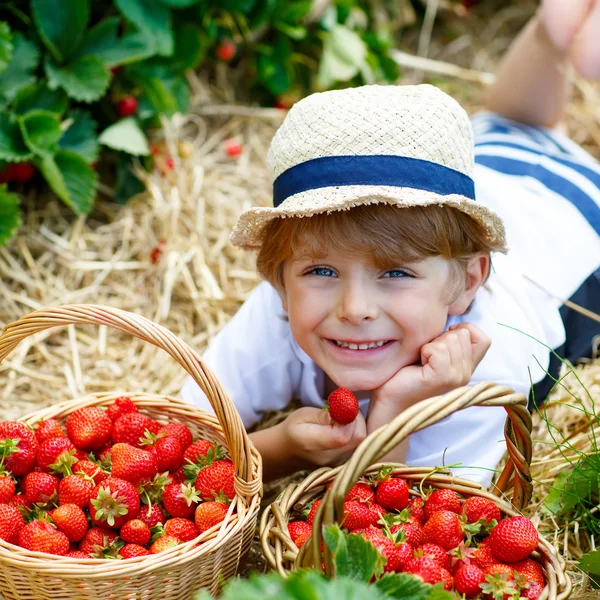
(247, 483)
(517, 432)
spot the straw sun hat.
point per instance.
(399, 145)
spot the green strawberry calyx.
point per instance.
(109, 506)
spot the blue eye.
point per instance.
(397, 273)
(322, 272)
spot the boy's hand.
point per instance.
(314, 441)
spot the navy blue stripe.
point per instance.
(397, 171)
(513, 128)
(586, 205)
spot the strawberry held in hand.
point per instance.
(342, 406)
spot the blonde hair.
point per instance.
(388, 235)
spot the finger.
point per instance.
(436, 356)
(480, 342)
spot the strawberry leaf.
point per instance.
(10, 219)
(6, 47)
(85, 79)
(40, 96)
(12, 145)
(590, 562)
(19, 73)
(80, 137)
(125, 135)
(405, 586)
(41, 131)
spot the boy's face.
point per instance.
(339, 303)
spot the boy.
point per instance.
(377, 262)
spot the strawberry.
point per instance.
(114, 502)
(97, 541)
(467, 580)
(71, 520)
(215, 478)
(299, 531)
(361, 492)
(197, 451)
(312, 512)
(20, 501)
(531, 569)
(392, 493)
(40, 487)
(513, 539)
(444, 529)
(342, 406)
(424, 568)
(18, 447)
(130, 428)
(412, 533)
(11, 523)
(163, 543)
(499, 582)
(168, 454)
(8, 488)
(182, 530)
(91, 469)
(47, 429)
(121, 406)
(135, 532)
(127, 106)
(75, 489)
(89, 428)
(447, 579)
(482, 556)
(443, 499)
(179, 476)
(132, 463)
(435, 552)
(179, 431)
(40, 536)
(356, 515)
(180, 499)
(396, 555)
(377, 513)
(133, 551)
(461, 555)
(476, 507)
(226, 50)
(416, 506)
(209, 514)
(232, 148)
(532, 592)
(76, 554)
(152, 515)
(56, 455)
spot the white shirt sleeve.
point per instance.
(253, 358)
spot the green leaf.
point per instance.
(296, 32)
(85, 79)
(274, 74)
(127, 185)
(125, 135)
(41, 131)
(153, 19)
(160, 96)
(354, 556)
(10, 214)
(179, 3)
(263, 587)
(26, 57)
(40, 96)
(189, 48)
(343, 57)
(71, 179)
(102, 42)
(80, 137)
(243, 6)
(553, 501)
(6, 47)
(12, 145)
(404, 586)
(61, 24)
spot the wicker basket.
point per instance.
(176, 573)
(283, 555)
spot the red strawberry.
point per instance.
(377, 512)
(183, 530)
(56, 455)
(361, 492)
(135, 532)
(215, 478)
(152, 515)
(127, 106)
(392, 493)
(168, 454)
(131, 428)
(356, 515)
(40, 536)
(342, 406)
(8, 489)
(531, 569)
(132, 463)
(47, 429)
(299, 531)
(424, 568)
(180, 499)
(443, 529)
(179, 476)
(114, 502)
(500, 569)
(396, 555)
(40, 487)
(232, 148)
(312, 512)
(533, 591)
(467, 580)
(226, 50)
(443, 499)
(209, 514)
(77, 554)
(482, 556)
(75, 489)
(499, 582)
(447, 579)
(476, 507)
(163, 543)
(437, 553)
(18, 447)
(416, 507)
(413, 533)
(89, 428)
(179, 431)
(96, 541)
(133, 551)
(513, 539)
(91, 469)
(20, 501)
(121, 406)
(22, 172)
(71, 520)
(11, 523)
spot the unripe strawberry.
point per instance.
(513, 539)
(226, 50)
(127, 106)
(342, 405)
(392, 493)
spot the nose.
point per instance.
(357, 304)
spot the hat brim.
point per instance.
(247, 232)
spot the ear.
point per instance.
(476, 272)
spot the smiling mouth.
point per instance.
(361, 346)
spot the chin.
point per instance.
(358, 383)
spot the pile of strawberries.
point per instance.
(441, 538)
(115, 484)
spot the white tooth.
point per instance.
(353, 346)
(380, 344)
(364, 346)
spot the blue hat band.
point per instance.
(376, 170)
